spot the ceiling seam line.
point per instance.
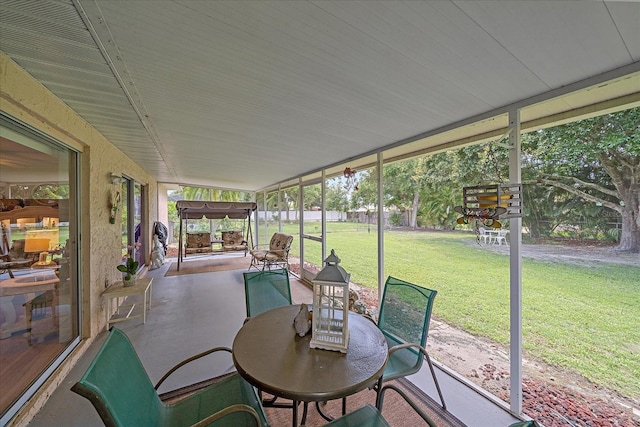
(402, 54)
(503, 46)
(116, 74)
(613, 21)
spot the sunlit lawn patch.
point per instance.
(583, 318)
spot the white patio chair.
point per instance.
(501, 237)
(484, 235)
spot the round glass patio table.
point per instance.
(269, 354)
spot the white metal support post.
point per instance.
(301, 228)
(265, 222)
(381, 278)
(515, 270)
(323, 200)
(279, 209)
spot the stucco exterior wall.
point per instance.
(26, 100)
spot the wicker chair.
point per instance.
(277, 253)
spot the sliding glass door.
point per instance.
(39, 277)
(133, 221)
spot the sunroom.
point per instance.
(123, 102)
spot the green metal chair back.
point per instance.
(119, 388)
(405, 313)
(370, 416)
(265, 290)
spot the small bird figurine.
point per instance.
(301, 322)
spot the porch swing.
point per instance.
(236, 240)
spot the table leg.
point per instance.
(295, 413)
(144, 306)
(28, 307)
(9, 313)
(305, 409)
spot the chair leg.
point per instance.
(435, 380)
(320, 405)
(254, 263)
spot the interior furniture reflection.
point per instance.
(120, 390)
(404, 316)
(14, 257)
(37, 307)
(31, 284)
(271, 356)
(57, 301)
(11, 265)
(36, 246)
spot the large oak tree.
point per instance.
(597, 160)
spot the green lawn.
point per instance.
(580, 318)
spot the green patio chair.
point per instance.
(405, 313)
(119, 388)
(371, 416)
(265, 290)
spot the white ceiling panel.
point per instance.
(245, 94)
(556, 40)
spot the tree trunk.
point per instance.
(414, 210)
(630, 237)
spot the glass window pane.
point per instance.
(38, 255)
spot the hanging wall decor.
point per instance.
(350, 176)
(487, 204)
(114, 205)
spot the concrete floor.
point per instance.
(191, 313)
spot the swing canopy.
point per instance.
(195, 209)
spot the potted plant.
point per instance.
(129, 268)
